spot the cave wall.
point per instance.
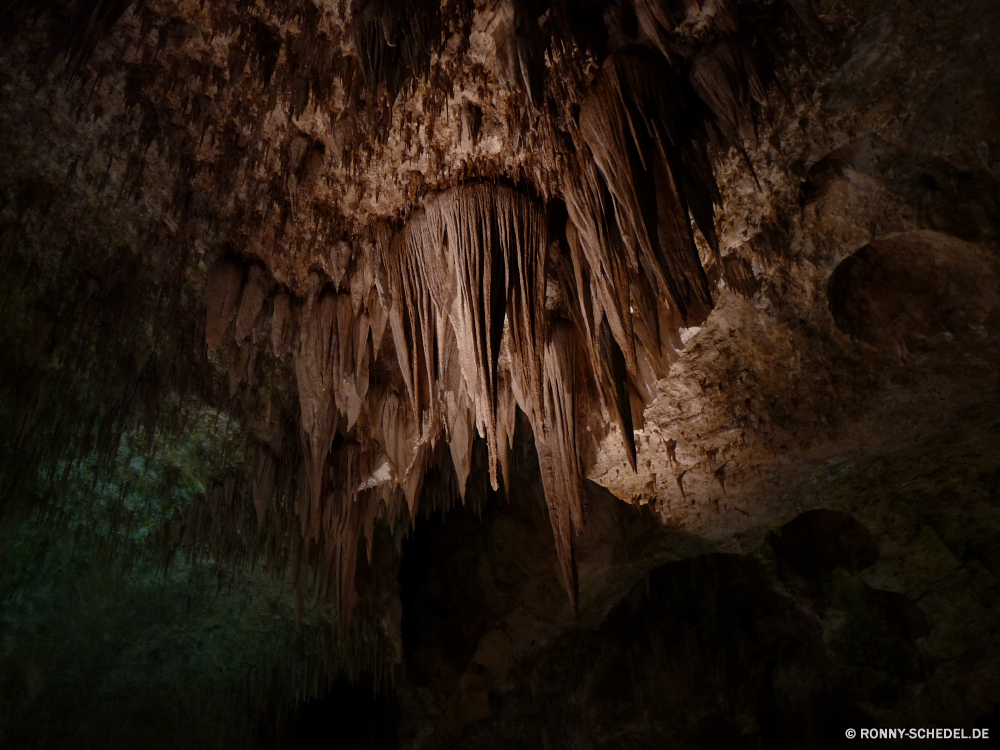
(532, 339)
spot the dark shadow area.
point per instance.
(786, 648)
(348, 717)
(913, 291)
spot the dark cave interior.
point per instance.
(499, 374)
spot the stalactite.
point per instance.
(600, 304)
(520, 51)
(255, 291)
(470, 252)
(283, 330)
(393, 41)
(506, 417)
(459, 414)
(215, 118)
(727, 78)
(658, 20)
(398, 432)
(653, 162)
(319, 364)
(806, 11)
(556, 442)
(599, 256)
(222, 296)
(655, 21)
(613, 372)
(526, 308)
(241, 366)
(345, 517)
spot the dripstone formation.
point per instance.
(507, 360)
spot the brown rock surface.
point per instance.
(684, 430)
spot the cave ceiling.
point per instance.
(716, 263)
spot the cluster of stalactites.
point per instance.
(467, 281)
(466, 290)
(462, 287)
(469, 262)
(488, 312)
(393, 41)
(331, 337)
(640, 182)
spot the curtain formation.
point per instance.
(492, 291)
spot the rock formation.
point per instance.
(499, 332)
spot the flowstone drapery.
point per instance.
(437, 214)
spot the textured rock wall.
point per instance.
(690, 271)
